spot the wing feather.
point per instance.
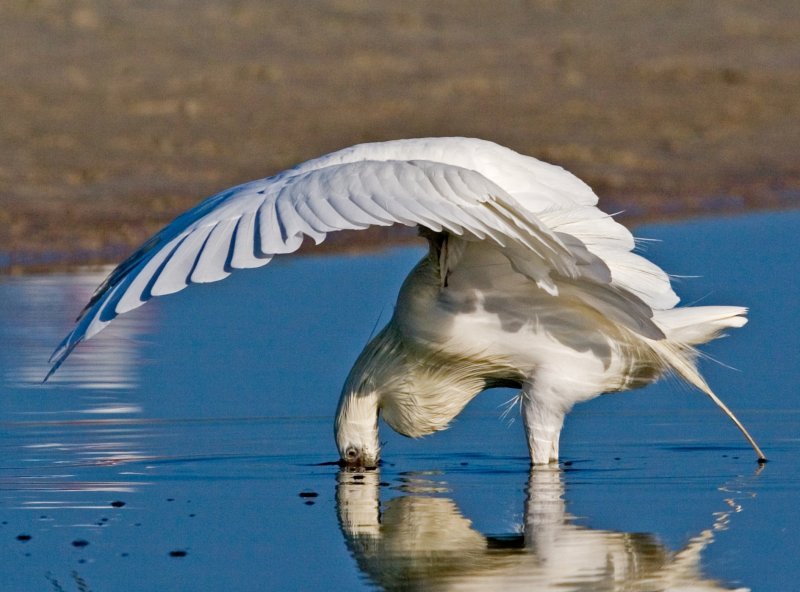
(177, 269)
(277, 235)
(357, 219)
(471, 188)
(134, 289)
(212, 264)
(328, 215)
(246, 254)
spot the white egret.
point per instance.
(526, 284)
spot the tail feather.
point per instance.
(694, 325)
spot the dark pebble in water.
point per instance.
(104, 519)
(123, 554)
(177, 553)
(309, 494)
(309, 503)
(23, 537)
(81, 561)
(617, 458)
(192, 515)
(80, 543)
(464, 464)
(117, 504)
(170, 499)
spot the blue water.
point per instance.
(207, 415)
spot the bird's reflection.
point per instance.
(421, 542)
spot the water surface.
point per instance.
(182, 448)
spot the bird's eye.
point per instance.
(351, 453)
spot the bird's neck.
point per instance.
(378, 366)
(373, 374)
(418, 388)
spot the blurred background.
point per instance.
(117, 115)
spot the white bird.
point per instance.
(526, 284)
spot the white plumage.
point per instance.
(526, 283)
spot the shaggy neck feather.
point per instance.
(418, 389)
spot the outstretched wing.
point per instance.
(246, 226)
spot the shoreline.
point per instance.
(30, 261)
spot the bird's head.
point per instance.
(356, 430)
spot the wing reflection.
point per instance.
(110, 365)
(420, 542)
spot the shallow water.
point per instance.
(208, 416)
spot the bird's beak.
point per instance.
(359, 462)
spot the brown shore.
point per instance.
(118, 115)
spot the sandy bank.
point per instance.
(117, 115)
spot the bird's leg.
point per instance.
(543, 419)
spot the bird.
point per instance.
(526, 284)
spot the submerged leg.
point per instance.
(543, 413)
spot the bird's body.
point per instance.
(526, 284)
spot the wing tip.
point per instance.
(62, 352)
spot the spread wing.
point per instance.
(248, 225)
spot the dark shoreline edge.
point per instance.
(24, 262)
